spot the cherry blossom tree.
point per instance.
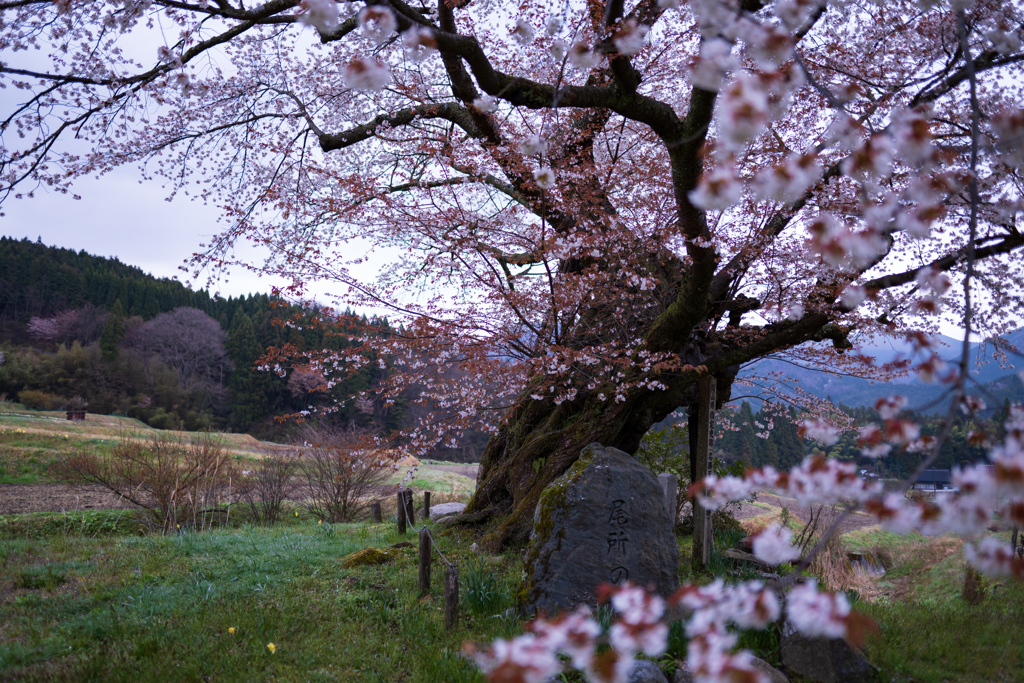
(582, 208)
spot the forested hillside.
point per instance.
(771, 436)
(81, 329)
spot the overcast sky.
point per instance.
(119, 217)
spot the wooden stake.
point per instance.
(401, 512)
(424, 561)
(375, 515)
(426, 506)
(410, 512)
(451, 599)
(705, 442)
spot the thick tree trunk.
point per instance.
(539, 441)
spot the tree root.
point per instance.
(478, 517)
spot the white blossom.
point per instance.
(819, 430)
(718, 190)
(377, 23)
(485, 104)
(545, 178)
(419, 42)
(534, 145)
(581, 56)
(630, 37)
(712, 64)
(366, 74)
(743, 111)
(774, 545)
(794, 13)
(814, 613)
(320, 14)
(853, 296)
(523, 32)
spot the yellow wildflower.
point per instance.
(231, 630)
(271, 647)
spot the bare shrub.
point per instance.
(264, 489)
(830, 565)
(179, 482)
(341, 470)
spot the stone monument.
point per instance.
(603, 521)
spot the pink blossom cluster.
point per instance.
(641, 627)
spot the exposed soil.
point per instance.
(22, 498)
(852, 522)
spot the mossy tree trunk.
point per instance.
(540, 440)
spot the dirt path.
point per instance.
(852, 522)
(22, 498)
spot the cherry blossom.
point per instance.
(545, 178)
(366, 74)
(718, 189)
(377, 23)
(743, 111)
(629, 38)
(814, 613)
(712, 64)
(774, 545)
(525, 658)
(523, 32)
(320, 14)
(419, 43)
(819, 430)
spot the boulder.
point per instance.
(684, 675)
(444, 509)
(824, 660)
(603, 521)
(773, 674)
(646, 671)
(369, 556)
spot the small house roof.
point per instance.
(935, 476)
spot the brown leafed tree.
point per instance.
(583, 208)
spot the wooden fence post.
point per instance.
(401, 512)
(426, 506)
(451, 599)
(424, 561)
(705, 441)
(375, 516)
(410, 511)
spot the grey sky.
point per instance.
(119, 217)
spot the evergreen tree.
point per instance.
(113, 333)
(246, 385)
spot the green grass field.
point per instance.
(91, 595)
(163, 608)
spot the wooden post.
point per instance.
(426, 506)
(410, 511)
(704, 442)
(451, 599)
(401, 512)
(375, 515)
(424, 561)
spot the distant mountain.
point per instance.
(994, 378)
